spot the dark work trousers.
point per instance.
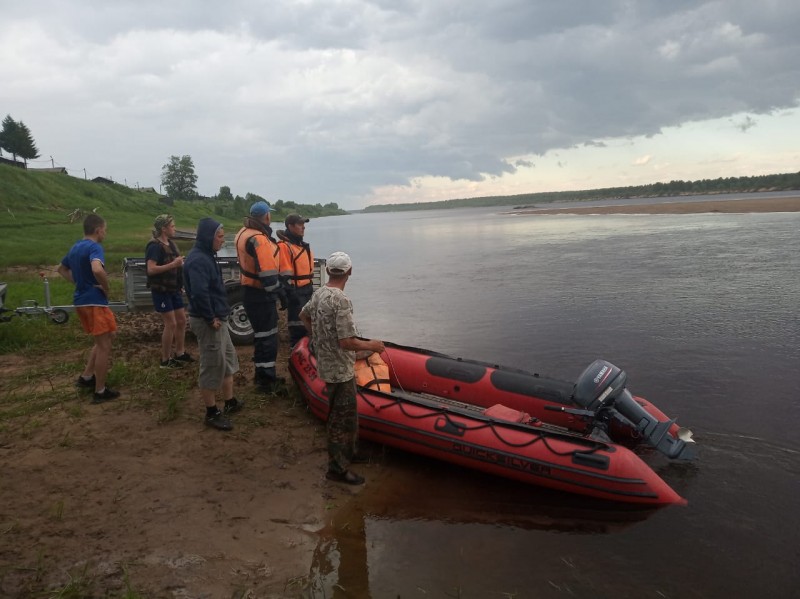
(298, 299)
(263, 315)
(342, 425)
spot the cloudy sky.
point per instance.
(362, 102)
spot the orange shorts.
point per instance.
(97, 320)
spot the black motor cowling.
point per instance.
(601, 388)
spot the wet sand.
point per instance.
(725, 206)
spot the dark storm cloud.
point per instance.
(328, 100)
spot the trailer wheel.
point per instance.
(59, 316)
(238, 323)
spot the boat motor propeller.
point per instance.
(601, 389)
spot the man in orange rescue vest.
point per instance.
(258, 263)
(297, 273)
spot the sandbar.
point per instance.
(788, 204)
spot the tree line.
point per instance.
(179, 180)
(16, 139)
(778, 182)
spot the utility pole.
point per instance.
(84, 175)
(52, 162)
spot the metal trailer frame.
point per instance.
(139, 299)
(57, 314)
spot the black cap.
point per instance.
(294, 219)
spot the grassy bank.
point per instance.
(41, 216)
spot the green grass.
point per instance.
(139, 380)
(38, 225)
(42, 383)
(50, 356)
(38, 385)
(38, 222)
(27, 286)
(28, 335)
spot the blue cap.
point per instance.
(260, 209)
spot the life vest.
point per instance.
(373, 373)
(258, 259)
(297, 263)
(171, 280)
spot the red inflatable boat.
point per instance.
(576, 437)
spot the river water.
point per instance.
(700, 310)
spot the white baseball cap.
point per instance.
(338, 263)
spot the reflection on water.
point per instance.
(392, 540)
(701, 312)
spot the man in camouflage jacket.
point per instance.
(328, 316)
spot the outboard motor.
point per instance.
(601, 388)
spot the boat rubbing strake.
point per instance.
(578, 438)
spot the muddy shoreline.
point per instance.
(101, 494)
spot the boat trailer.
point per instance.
(56, 314)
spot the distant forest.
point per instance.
(784, 182)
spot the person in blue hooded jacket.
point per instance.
(208, 319)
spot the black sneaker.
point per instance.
(347, 477)
(219, 422)
(232, 406)
(83, 383)
(171, 363)
(105, 395)
(184, 357)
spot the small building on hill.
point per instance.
(102, 180)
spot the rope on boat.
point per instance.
(442, 412)
(435, 412)
(397, 378)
